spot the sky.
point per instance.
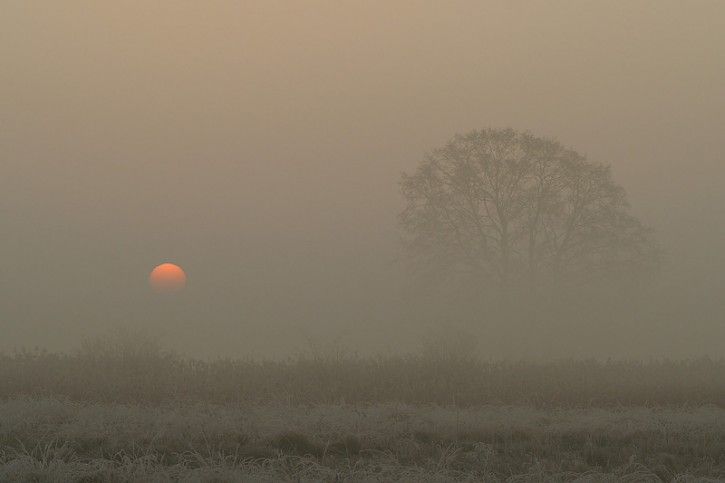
(259, 145)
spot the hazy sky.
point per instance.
(258, 144)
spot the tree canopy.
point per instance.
(518, 211)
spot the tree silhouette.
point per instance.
(517, 211)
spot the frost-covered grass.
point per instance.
(131, 412)
(61, 440)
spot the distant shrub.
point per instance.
(122, 374)
(123, 343)
(449, 344)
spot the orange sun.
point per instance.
(167, 278)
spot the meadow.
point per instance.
(141, 414)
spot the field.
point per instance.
(153, 416)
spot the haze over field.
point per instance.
(259, 145)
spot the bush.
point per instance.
(113, 373)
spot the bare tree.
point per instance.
(517, 211)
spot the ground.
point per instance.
(163, 418)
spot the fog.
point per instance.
(259, 145)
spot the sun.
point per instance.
(167, 278)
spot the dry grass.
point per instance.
(55, 440)
(128, 415)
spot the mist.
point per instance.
(260, 145)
